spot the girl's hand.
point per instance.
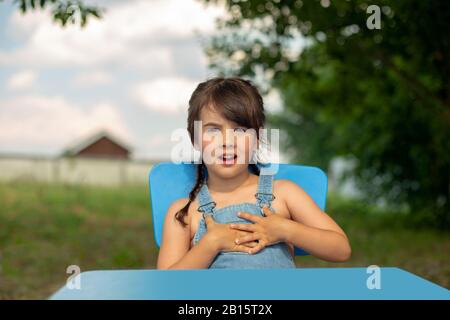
(266, 230)
(223, 238)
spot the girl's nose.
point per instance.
(228, 138)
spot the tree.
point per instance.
(379, 96)
(63, 11)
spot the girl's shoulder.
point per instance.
(290, 192)
(284, 187)
(279, 190)
(179, 204)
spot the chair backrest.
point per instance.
(169, 182)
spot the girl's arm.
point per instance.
(310, 228)
(174, 252)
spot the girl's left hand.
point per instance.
(266, 230)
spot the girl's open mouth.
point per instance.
(227, 159)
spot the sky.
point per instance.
(130, 73)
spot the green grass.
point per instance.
(45, 228)
(388, 239)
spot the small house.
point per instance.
(99, 145)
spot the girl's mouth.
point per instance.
(227, 159)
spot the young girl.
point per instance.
(237, 216)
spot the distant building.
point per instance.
(99, 145)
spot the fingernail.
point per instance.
(239, 213)
(237, 241)
(231, 225)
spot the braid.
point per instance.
(198, 184)
(254, 168)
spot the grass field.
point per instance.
(45, 228)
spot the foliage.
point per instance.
(378, 96)
(63, 11)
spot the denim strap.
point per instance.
(206, 203)
(264, 195)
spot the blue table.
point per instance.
(245, 284)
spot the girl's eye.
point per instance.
(212, 130)
(239, 130)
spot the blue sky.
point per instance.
(130, 73)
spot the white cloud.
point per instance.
(135, 40)
(32, 122)
(169, 95)
(135, 33)
(21, 80)
(93, 78)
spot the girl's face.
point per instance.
(226, 147)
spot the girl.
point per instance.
(237, 216)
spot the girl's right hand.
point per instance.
(222, 237)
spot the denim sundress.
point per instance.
(273, 256)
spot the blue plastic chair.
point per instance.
(169, 181)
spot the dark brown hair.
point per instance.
(237, 100)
